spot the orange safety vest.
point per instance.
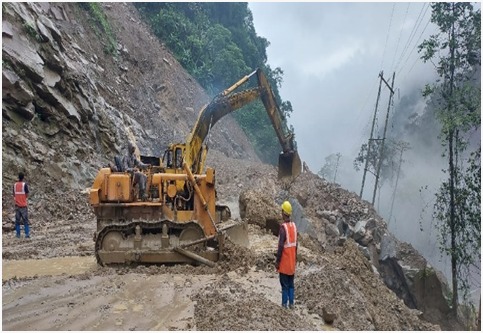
(289, 253)
(20, 195)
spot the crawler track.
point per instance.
(147, 228)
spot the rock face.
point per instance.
(69, 107)
(409, 275)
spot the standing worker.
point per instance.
(130, 162)
(287, 255)
(20, 194)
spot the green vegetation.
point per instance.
(425, 273)
(457, 96)
(217, 44)
(329, 169)
(6, 64)
(32, 32)
(389, 161)
(101, 26)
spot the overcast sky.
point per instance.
(331, 55)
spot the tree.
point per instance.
(329, 170)
(457, 49)
(217, 44)
(389, 159)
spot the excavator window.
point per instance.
(168, 154)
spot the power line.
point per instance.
(413, 32)
(400, 33)
(415, 28)
(417, 58)
(387, 36)
(359, 120)
(416, 44)
(411, 35)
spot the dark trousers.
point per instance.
(21, 214)
(288, 289)
(140, 178)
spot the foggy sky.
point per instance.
(331, 55)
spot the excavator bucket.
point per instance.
(289, 165)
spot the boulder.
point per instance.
(359, 230)
(7, 29)
(413, 280)
(258, 209)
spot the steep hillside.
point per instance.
(69, 108)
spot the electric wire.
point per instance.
(400, 33)
(417, 58)
(412, 34)
(416, 26)
(387, 35)
(398, 69)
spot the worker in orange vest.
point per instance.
(20, 194)
(287, 255)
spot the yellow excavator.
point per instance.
(180, 221)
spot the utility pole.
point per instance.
(372, 132)
(381, 151)
(402, 147)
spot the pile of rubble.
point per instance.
(331, 216)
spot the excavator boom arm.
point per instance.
(284, 136)
(209, 116)
(226, 102)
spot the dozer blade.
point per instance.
(237, 233)
(289, 165)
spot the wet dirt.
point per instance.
(118, 302)
(51, 282)
(54, 266)
(241, 292)
(72, 293)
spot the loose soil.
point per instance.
(241, 292)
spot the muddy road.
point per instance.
(52, 282)
(74, 293)
(241, 292)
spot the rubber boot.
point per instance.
(27, 231)
(17, 230)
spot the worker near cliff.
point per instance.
(20, 195)
(287, 256)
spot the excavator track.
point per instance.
(136, 233)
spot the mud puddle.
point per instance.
(43, 267)
(102, 302)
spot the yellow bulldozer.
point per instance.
(180, 220)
